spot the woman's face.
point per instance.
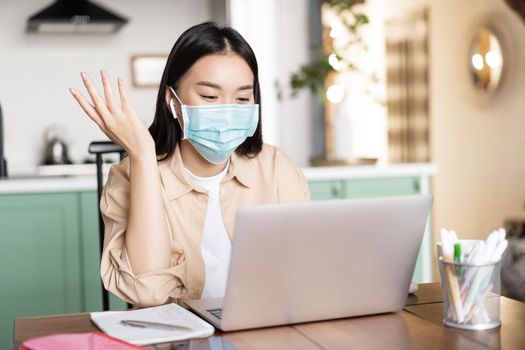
(215, 79)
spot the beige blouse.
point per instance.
(270, 177)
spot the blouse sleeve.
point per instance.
(145, 289)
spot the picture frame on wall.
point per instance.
(146, 69)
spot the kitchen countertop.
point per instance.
(82, 177)
(42, 184)
(369, 171)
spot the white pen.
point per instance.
(500, 248)
(147, 324)
(453, 236)
(502, 233)
(492, 241)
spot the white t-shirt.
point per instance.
(215, 244)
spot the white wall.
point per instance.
(477, 144)
(37, 70)
(278, 33)
(360, 129)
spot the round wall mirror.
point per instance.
(486, 60)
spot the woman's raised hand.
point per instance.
(117, 120)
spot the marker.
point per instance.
(458, 254)
(480, 276)
(498, 252)
(492, 241)
(493, 252)
(499, 249)
(448, 251)
(453, 236)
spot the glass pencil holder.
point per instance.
(471, 294)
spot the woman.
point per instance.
(169, 206)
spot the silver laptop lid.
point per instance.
(303, 262)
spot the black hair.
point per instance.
(196, 42)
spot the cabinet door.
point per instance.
(40, 251)
(91, 256)
(357, 188)
(323, 190)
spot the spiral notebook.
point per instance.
(110, 323)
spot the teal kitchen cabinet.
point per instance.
(363, 188)
(50, 257)
(40, 270)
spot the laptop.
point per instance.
(303, 262)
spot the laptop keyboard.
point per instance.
(216, 312)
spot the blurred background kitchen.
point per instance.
(370, 98)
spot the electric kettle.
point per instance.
(56, 148)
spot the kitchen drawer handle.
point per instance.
(336, 188)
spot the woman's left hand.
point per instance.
(117, 120)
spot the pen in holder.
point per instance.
(471, 293)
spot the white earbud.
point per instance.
(172, 108)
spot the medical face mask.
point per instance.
(216, 130)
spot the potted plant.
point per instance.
(342, 24)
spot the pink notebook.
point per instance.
(77, 341)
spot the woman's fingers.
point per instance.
(108, 91)
(123, 95)
(92, 113)
(100, 105)
(118, 121)
(88, 108)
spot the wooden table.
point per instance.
(417, 326)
